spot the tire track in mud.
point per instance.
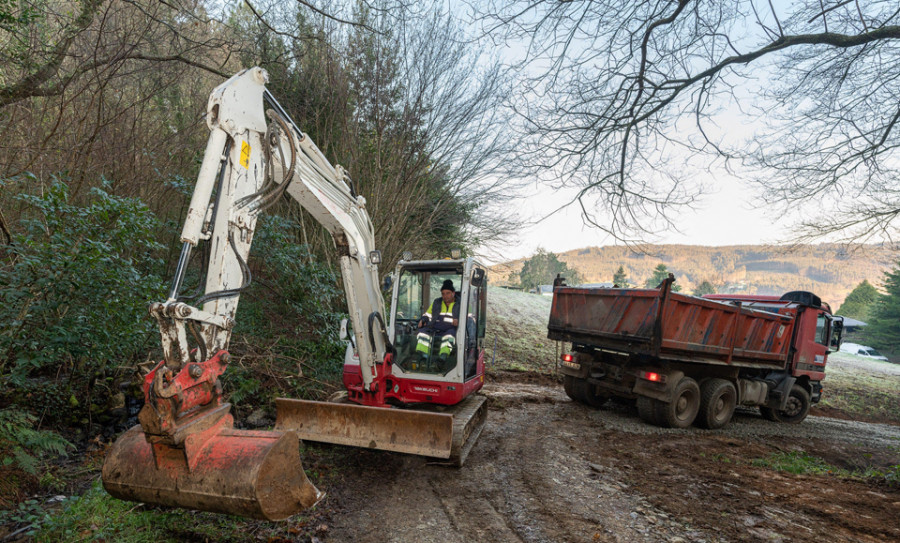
(525, 481)
(548, 470)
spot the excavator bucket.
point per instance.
(447, 435)
(238, 472)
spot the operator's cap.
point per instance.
(448, 285)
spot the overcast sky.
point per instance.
(725, 219)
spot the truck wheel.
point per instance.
(582, 392)
(768, 413)
(682, 410)
(795, 410)
(570, 385)
(717, 400)
(647, 408)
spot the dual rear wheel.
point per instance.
(711, 405)
(583, 392)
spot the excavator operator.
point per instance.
(441, 319)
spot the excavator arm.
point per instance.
(185, 452)
(247, 166)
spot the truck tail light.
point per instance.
(653, 376)
(569, 361)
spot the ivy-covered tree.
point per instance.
(884, 326)
(619, 278)
(542, 268)
(859, 302)
(660, 274)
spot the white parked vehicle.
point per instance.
(862, 350)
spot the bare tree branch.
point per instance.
(605, 100)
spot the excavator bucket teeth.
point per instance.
(238, 472)
(425, 433)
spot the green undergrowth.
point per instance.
(798, 463)
(802, 463)
(75, 280)
(24, 447)
(96, 516)
(286, 339)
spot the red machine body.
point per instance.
(398, 390)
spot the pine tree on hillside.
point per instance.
(884, 326)
(660, 274)
(704, 288)
(542, 268)
(858, 303)
(619, 278)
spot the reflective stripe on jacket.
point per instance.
(441, 316)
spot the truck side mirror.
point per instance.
(837, 330)
(477, 277)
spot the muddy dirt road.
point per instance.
(548, 469)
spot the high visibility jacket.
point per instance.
(441, 316)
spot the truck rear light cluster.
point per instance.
(569, 361)
(653, 376)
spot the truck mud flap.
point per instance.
(408, 431)
(237, 472)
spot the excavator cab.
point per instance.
(429, 365)
(422, 400)
(421, 351)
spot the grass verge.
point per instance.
(802, 463)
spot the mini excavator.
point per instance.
(186, 452)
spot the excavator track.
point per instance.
(444, 433)
(469, 419)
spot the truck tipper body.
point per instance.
(687, 359)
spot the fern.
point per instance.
(23, 446)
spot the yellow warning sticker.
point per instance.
(245, 154)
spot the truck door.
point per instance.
(812, 344)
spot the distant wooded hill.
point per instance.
(829, 270)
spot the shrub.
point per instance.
(75, 284)
(22, 446)
(290, 315)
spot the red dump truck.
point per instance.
(689, 360)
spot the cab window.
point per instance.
(822, 329)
